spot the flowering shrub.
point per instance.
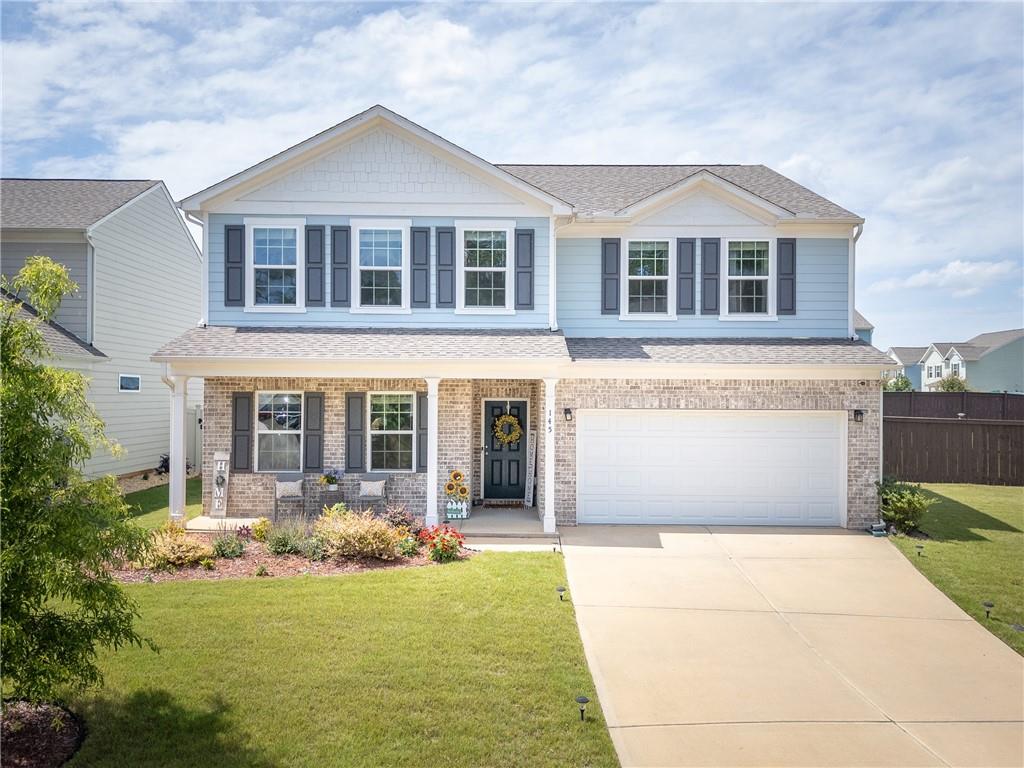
(260, 529)
(244, 532)
(443, 543)
(409, 546)
(398, 516)
(356, 534)
(172, 548)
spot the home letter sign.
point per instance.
(221, 472)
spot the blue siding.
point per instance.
(822, 294)
(864, 334)
(338, 316)
(913, 372)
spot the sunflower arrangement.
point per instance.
(455, 489)
(515, 432)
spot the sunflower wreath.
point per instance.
(515, 433)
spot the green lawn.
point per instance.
(151, 505)
(475, 663)
(976, 552)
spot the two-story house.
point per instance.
(988, 362)
(647, 344)
(138, 273)
(908, 363)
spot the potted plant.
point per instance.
(458, 496)
(331, 478)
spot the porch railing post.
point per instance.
(549, 455)
(432, 438)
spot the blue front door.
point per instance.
(504, 463)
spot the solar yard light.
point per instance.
(561, 593)
(919, 548)
(582, 701)
(988, 605)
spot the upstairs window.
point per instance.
(647, 277)
(275, 260)
(748, 277)
(486, 268)
(380, 278)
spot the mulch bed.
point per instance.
(256, 554)
(38, 736)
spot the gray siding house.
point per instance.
(138, 272)
(598, 344)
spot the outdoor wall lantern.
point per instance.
(858, 416)
(568, 414)
(582, 701)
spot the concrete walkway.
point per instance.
(782, 647)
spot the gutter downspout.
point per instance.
(858, 230)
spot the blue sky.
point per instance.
(909, 114)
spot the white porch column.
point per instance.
(179, 387)
(432, 438)
(549, 455)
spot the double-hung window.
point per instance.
(275, 264)
(956, 369)
(647, 277)
(392, 431)
(381, 274)
(748, 273)
(279, 431)
(485, 259)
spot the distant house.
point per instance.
(989, 362)
(862, 327)
(908, 362)
(138, 272)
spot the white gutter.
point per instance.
(858, 230)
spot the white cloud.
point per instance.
(962, 278)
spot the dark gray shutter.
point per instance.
(421, 432)
(686, 276)
(445, 267)
(341, 266)
(313, 432)
(709, 273)
(524, 269)
(786, 264)
(241, 431)
(234, 265)
(315, 271)
(355, 432)
(611, 250)
(420, 266)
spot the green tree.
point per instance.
(899, 383)
(952, 383)
(60, 531)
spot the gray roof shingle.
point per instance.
(747, 351)
(594, 189)
(363, 343)
(995, 339)
(909, 355)
(61, 341)
(63, 203)
(861, 323)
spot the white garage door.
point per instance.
(711, 467)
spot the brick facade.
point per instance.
(460, 443)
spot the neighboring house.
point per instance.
(138, 273)
(677, 341)
(989, 362)
(862, 326)
(908, 362)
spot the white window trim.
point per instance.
(299, 225)
(503, 225)
(370, 433)
(624, 313)
(256, 429)
(404, 226)
(723, 280)
(129, 391)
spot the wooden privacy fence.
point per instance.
(984, 451)
(948, 405)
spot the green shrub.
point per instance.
(902, 504)
(356, 534)
(208, 564)
(260, 529)
(172, 548)
(229, 545)
(261, 571)
(287, 539)
(313, 549)
(409, 546)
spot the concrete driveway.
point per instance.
(782, 647)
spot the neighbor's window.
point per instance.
(956, 369)
(392, 431)
(274, 255)
(380, 267)
(129, 382)
(647, 275)
(485, 267)
(279, 432)
(748, 277)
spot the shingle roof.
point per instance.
(63, 203)
(61, 341)
(605, 189)
(727, 351)
(909, 355)
(861, 323)
(363, 344)
(995, 339)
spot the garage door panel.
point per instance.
(710, 467)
